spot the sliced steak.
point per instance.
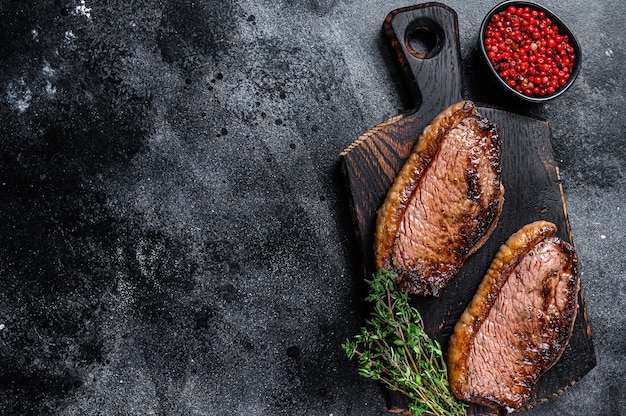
(519, 321)
(444, 203)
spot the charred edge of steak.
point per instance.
(518, 246)
(470, 232)
(428, 280)
(492, 214)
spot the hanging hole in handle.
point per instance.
(424, 38)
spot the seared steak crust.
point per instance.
(444, 203)
(519, 321)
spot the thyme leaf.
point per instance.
(394, 348)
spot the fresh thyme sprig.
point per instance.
(394, 348)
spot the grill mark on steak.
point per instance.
(518, 323)
(472, 178)
(444, 203)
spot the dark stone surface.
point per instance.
(175, 238)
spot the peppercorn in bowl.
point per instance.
(529, 50)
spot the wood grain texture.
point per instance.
(529, 173)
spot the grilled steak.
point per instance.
(444, 203)
(519, 321)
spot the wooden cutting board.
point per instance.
(530, 175)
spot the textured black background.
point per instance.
(174, 235)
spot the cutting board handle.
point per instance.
(425, 40)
